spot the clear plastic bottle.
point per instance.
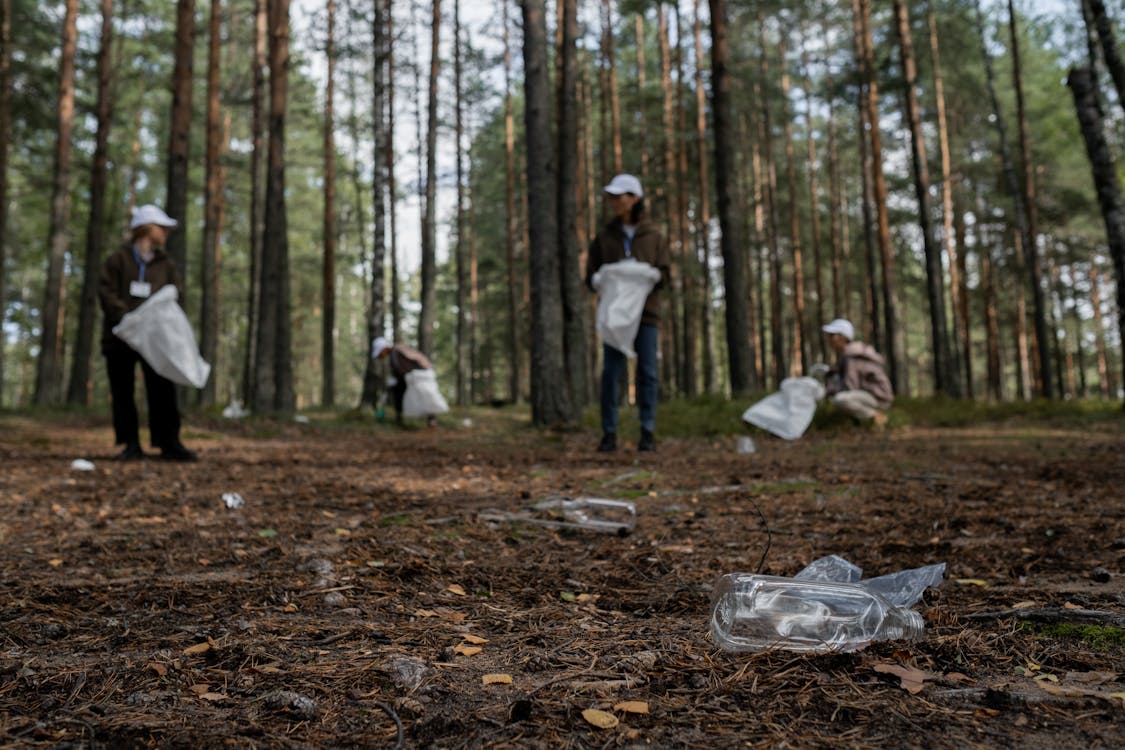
(590, 513)
(752, 612)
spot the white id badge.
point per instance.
(141, 289)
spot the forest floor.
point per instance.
(363, 584)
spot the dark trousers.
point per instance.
(399, 393)
(614, 366)
(163, 413)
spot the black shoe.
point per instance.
(608, 443)
(132, 452)
(178, 452)
(647, 443)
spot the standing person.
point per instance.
(403, 359)
(129, 277)
(858, 382)
(629, 235)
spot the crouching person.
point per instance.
(857, 384)
(402, 359)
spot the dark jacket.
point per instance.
(860, 368)
(648, 246)
(405, 359)
(118, 271)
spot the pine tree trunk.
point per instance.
(684, 252)
(1031, 234)
(960, 328)
(5, 142)
(750, 211)
(945, 376)
(835, 216)
(574, 298)
(49, 373)
(673, 369)
(388, 162)
(703, 225)
(1099, 330)
(551, 404)
(966, 339)
(460, 248)
(642, 119)
(79, 391)
(328, 276)
(895, 356)
(800, 343)
(254, 301)
(1090, 118)
(814, 202)
(769, 174)
(381, 41)
(614, 100)
(1103, 26)
(736, 291)
(1022, 238)
(871, 289)
(179, 138)
(209, 258)
(429, 213)
(274, 387)
(760, 237)
(510, 222)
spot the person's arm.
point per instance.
(664, 262)
(113, 306)
(593, 262)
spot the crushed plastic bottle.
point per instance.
(751, 612)
(81, 464)
(233, 500)
(590, 513)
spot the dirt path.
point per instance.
(358, 584)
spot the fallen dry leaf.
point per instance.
(496, 679)
(455, 589)
(600, 719)
(199, 648)
(425, 613)
(213, 697)
(200, 688)
(467, 650)
(160, 669)
(474, 639)
(971, 581)
(632, 707)
(912, 679)
(55, 562)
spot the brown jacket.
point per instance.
(404, 359)
(860, 368)
(118, 271)
(648, 246)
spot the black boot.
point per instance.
(647, 443)
(132, 452)
(177, 452)
(608, 443)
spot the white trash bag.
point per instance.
(622, 290)
(422, 398)
(160, 332)
(788, 412)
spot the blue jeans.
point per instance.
(614, 365)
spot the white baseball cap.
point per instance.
(841, 326)
(150, 214)
(378, 346)
(625, 183)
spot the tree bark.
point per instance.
(5, 138)
(611, 73)
(1104, 384)
(672, 364)
(49, 373)
(945, 380)
(274, 386)
(814, 201)
(179, 137)
(642, 119)
(389, 161)
(551, 403)
(895, 356)
(800, 343)
(871, 289)
(79, 391)
(769, 174)
(209, 258)
(1103, 26)
(510, 221)
(835, 215)
(1103, 167)
(429, 213)
(703, 226)
(687, 264)
(460, 248)
(1031, 230)
(381, 40)
(573, 291)
(254, 301)
(734, 279)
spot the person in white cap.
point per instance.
(129, 277)
(857, 384)
(402, 359)
(629, 235)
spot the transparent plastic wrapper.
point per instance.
(751, 612)
(585, 513)
(81, 464)
(160, 332)
(233, 500)
(745, 446)
(623, 287)
(902, 589)
(788, 412)
(831, 568)
(422, 399)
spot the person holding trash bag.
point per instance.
(629, 237)
(857, 384)
(129, 277)
(403, 361)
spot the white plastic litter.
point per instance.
(233, 500)
(745, 446)
(622, 290)
(300, 419)
(422, 398)
(788, 412)
(160, 332)
(81, 464)
(235, 410)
